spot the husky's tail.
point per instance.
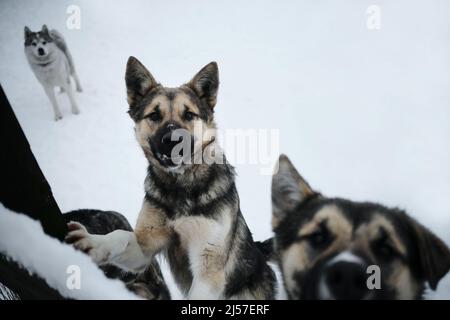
(267, 249)
(61, 44)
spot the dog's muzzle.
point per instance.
(172, 145)
(344, 278)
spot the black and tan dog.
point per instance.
(191, 208)
(324, 246)
(148, 284)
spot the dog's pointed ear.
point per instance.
(44, 29)
(434, 255)
(289, 190)
(27, 32)
(138, 80)
(206, 83)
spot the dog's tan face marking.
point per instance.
(406, 286)
(379, 225)
(294, 259)
(398, 276)
(301, 255)
(173, 109)
(182, 104)
(145, 127)
(160, 103)
(333, 218)
(173, 106)
(166, 116)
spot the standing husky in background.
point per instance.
(190, 210)
(324, 246)
(52, 64)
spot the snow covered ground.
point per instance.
(363, 114)
(71, 273)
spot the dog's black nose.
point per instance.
(346, 280)
(41, 51)
(171, 144)
(167, 139)
(168, 142)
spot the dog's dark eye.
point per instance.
(320, 238)
(43, 42)
(384, 250)
(34, 44)
(154, 116)
(189, 116)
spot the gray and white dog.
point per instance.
(52, 64)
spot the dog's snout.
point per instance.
(41, 51)
(346, 280)
(172, 144)
(166, 138)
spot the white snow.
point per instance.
(6, 293)
(362, 114)
(23, 240)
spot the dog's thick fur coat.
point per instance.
(324, 246)
(190, 211)
(52, 64)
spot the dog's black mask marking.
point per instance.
(346, 281)
(166, 139)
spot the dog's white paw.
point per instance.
(58, 116)
(79, 89)
(76, 111)
(90, 244)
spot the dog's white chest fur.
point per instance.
(53, 73)
(205, 240)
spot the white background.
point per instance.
(363, 114)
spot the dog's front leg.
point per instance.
(207, 286)
(119, 247)
(131, 251)
(152, 231)
(51, 96)
(68, 89)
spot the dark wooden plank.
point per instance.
(26, 286)
(24, 189)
